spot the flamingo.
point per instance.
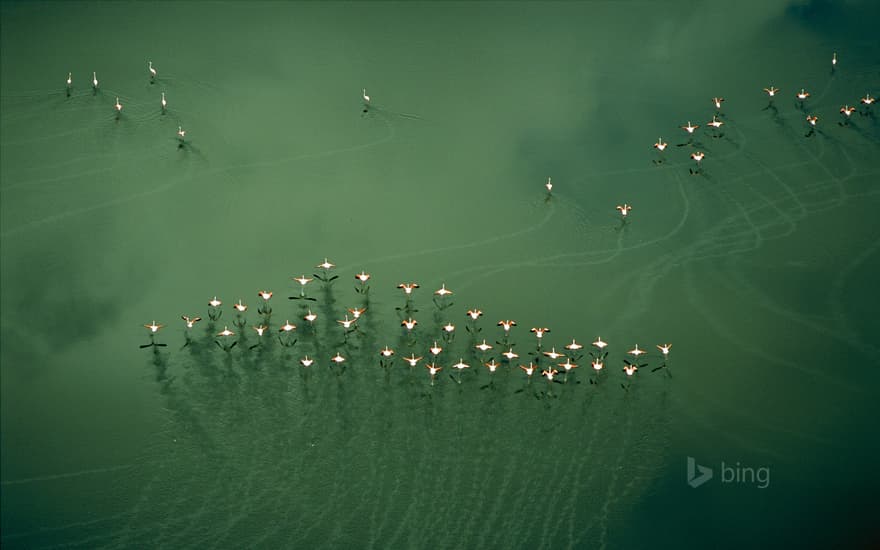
(118, 106)
(190, 321)
(539, 331)
(365, 97)
(635, 352)
(69, 80)
(154, 327)
(287, 328)
(664, 349)
(573, 346)
(408, 287)
(802, 96)
(690, 127)
(549, 374)
(568, 365)
(326, 265)
(303, 281)
(433, 370)
(357, 312)
(442, 291)
(660, 145)
(549, 185)
(362, 277)
(152, 71)
(624, 209)
(94, 80)
(771, 91)
(347, 323)
(214, 312)
(226, 333)
(260, 330)
(461, 365)
(599, 343)
(164, 103)
(529, 370)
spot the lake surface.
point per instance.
(759, 267)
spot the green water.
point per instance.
(760, 270)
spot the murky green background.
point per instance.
(761, 271)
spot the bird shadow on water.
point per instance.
(159, 361)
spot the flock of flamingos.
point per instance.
(349, 326)
(548, 363)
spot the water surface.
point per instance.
(760, 270)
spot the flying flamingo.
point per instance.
(190, 321)
(433, 370)
(664, 349)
